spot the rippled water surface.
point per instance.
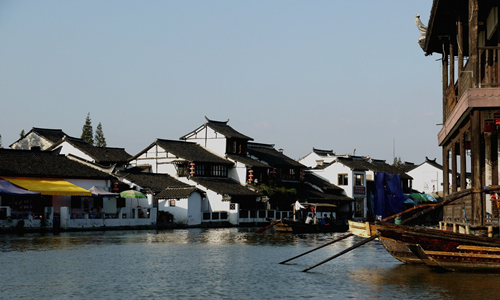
(230, 263)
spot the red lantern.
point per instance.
(191, 169)
(115, 186)
(250, 176)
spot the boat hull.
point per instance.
(452, 251)
(398, 250)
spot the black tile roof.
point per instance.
(46, 164)
(321, 152)
(354, 163)
(222, 128)
(52, 135)
(268, 154)
(224, 186)
(247, 161)
(189, 151)
(321, 183)
(153, 181)
(305, 192)
(101, 155)
(407, 166)
(177, 193)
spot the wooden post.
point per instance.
(473, 41)
(460, 29)
(488, 169)
(446, 172)
(454, 167)
(444, 69)
(476, 217)
(452, 65)
(463, 163)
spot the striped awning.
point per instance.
(49, 186)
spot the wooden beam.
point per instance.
(477, 182)
(463, 163)
(473, 40)
(454, 167)
(446, 172)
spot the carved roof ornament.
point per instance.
(423, 31)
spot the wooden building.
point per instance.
(466, 34)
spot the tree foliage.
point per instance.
(87, 132)
(279, 197)
(397, 162)
(22, 134)
(100, 141)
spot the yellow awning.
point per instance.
(49, 186)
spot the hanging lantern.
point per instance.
(250, 176)
(191, 169)
(302, 174)
(115, 187)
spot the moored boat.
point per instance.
(449, 250)
(315, 226)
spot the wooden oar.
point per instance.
(267, 227)
(329, 243)
(343, 252)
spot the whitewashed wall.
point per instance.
(427, 178)
(31, 140)
(67, 148)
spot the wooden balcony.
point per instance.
(471, 91)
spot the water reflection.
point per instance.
(218, 263)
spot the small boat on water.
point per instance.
(316, 226)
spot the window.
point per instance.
(218, 171)
(172, 203)
(343, 179)
(199, 170)
(359, 179)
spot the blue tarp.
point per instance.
(389, 197)
(8, 188)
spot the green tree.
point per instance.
(100, 141)
(397, 162)
(1, 141)
(22, 134)
(87, 132)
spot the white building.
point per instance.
(350, 175)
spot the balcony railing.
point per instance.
(489, 67)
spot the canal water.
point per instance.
(229, 263)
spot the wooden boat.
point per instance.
(452, 251)
(297, 226)
(362, 229)
(398, 250)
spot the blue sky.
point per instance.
(338, 75)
